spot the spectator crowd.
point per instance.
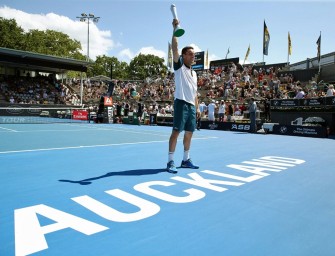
(225, 91)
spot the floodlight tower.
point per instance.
(87, 18)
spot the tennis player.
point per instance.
(185, 107)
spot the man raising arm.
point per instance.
(185, 106)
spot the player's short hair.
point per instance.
(185, 49)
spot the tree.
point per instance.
(48, 42)
(12, 35)
(54, 43)
(108, 66)
(143, 66)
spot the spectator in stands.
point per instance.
(230, 112)
(211, 111)
(203, 109)
(222, 110)
(246, 77)
(276, 84)
(252, 113)
(300, 94)
(330, 91)
(267, 109)
(237, 110)
(126, 109)
(140, 108)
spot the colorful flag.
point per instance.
(266, 39)
(170, 56)
(319, 48)
(289, 44)
(247, 54)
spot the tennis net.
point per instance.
(29, 115)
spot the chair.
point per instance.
(297, 121)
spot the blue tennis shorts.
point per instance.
(184, 116)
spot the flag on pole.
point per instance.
(266, 39)
(227, 52)
(247, 54)
(206, 63)
(170, 56)
(319, 48)
(289, 44)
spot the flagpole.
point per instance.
(246, 55)
(320, 54)
(207, 64)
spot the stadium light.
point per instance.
(86, 18)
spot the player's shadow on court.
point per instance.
(137, 172)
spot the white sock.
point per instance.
(186, 155)
(171, 156)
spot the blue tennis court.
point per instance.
(102, 189)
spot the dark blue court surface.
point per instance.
(98, 189)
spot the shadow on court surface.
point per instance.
(137, 172)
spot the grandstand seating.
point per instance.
(158, 91)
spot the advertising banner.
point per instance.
(199, 61)
(298, 130)
(313, 102)
(285, 103)
(79, 114)
(226, 126)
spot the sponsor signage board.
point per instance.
(299, 130)
(79, 114)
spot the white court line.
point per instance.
(99, 129)
(9, 129)
(133, 130)
(105, 128)
(93, 146)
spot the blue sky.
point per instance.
(127, 28)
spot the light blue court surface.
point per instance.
(101, 189)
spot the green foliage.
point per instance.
(47, 42)
(143, 66)
(11, 36)
(56, 43)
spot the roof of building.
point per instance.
(40, 62)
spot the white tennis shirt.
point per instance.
(186, 82)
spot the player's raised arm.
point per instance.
(175, 51)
